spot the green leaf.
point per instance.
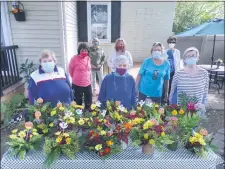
(69, 153)
(22, 154)
(52, 157)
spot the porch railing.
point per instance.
(9, 69)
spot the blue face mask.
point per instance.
(157, 55)
(48, 67)
(191, 61)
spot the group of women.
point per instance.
(162, 76)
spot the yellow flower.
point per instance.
(61, 108)
(93, 113)
(31, 135)
(45, 130)
(138, 108)
(81, 122)
(197, 135)
(73, 103)
(201, 141)
(65, 134)
(68, 140)
(68, 121)
(174, 112)
(162, 134)
(53, 113)
(14, 131)
(147, 125)
(181, 111)
(192, 140)
(109, 143)
(72, 120)
(93, 106)
(98, 147)
(117, 116)
(151, 141)
(138, 120)
(104, 120)
(12, 136)
(100, 120)
(99, 128)
(35, 133)
(79, 107)
(34, 130)
(146, 136)
(103, 132)
(51, 125)
(59, 139)
(22, 134)
(156, 105)
(57, 133)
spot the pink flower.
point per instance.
(191, 106)
(173, 118)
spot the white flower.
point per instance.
(79, 111)
(103, 113)
(141, 103)
(98, 103)
(122, 108)
(63, 125)
(68, 114)
(149, 104)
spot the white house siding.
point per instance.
(41, 30)
(70, 29)
(143, 23)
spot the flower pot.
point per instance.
(147, 149)
(20, 16)
(173, 146)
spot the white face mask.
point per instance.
(171, 45)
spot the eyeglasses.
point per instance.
(172, 42)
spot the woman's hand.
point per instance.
(166, 97)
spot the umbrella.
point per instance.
(211, 27)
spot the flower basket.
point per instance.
(147, 148)
(173, 146)
(20, 16)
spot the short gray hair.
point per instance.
(189, 50)
(46, 53)
(122, 59)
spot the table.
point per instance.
(216, 71)
(130, 158)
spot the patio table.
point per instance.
(216, 70)
(130, 158)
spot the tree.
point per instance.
(191, 14)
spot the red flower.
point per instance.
(107, 150)
(101, 153)
(158, 129)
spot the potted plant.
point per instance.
(18, 13)
(26, 69)
(218, 62)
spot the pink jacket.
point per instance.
(80, 70)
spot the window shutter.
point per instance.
(115, 20)
(82, 21)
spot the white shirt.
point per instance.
(112, 58)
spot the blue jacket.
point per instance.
(52, 87)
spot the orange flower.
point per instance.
(181, 111)
(37, 114)
(203, 132)
(127, 126)
(153, 122)
(15, 10)
(59, 104)
(117, 103)
(40, 100)
(133, 113)
(118, 127)
(28, 125)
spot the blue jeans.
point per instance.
(154, 99)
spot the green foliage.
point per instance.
(26, 69)
(191, 14)
(11, 108)
(185, 99)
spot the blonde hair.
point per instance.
(157, 44)
(46, 53)
(117, 41)
(189, 50)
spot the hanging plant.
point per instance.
(18, 13)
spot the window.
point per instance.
(99, 21)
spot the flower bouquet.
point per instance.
(61, 143)
(200, 142)
(103, 142)
(24, 141)
(149, 133)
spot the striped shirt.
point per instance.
(193, 85)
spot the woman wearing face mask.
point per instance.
(153, 75)
(49, 81)
(119, 86)
(173, 58)
(120, 49)
(192, 79)
(97, 60)
(80, 71)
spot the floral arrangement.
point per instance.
(150, 132)
(23, 141)
(62, 143)
(200, 142)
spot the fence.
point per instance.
(9, 72)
